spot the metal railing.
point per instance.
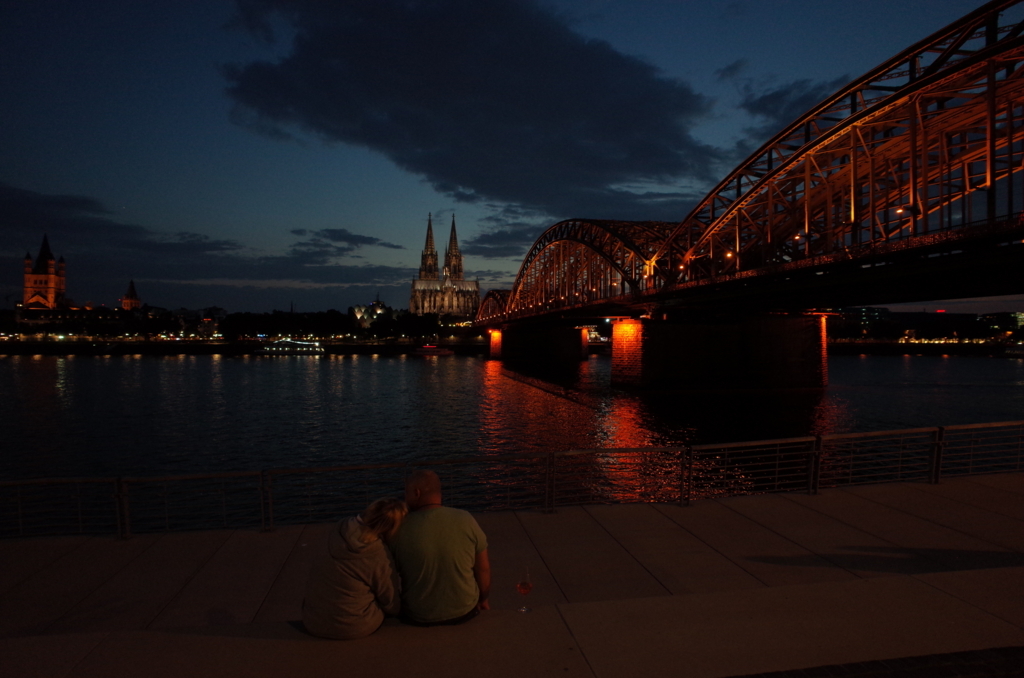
(539, 481)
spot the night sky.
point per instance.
(264, 153)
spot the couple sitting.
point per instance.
(443, 574)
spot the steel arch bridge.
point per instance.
(924, 150)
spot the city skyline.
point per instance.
(175, 145)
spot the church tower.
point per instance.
(45, 281)
(131, 301)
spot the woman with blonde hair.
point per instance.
(353, 583)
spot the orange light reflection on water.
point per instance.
(520, 411)
(622, 425)
(622, 433)
(530, 414)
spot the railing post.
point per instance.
(124, 519)
(686, 476)
(682, 475)
(938, 444)
(21, 518)
(814, 467)
(549, 483)
(1020, 428)
(78, 503)
(263, 501)
(267, 485)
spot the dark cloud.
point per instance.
(730, 71)
(342, 235)
(780, 106)
(510, 242)
(511, 230)
(179, 269)
(496, 101)
(22, 204)
(318, 252)
(320, 248)
(508, 232)
(84, 223)
(492, 277)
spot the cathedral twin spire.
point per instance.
(443, 291)
(428, 262)
(452, 256)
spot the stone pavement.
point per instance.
(857, 581)
(1003, 662)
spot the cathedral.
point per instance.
(444, 292)
(44, 281)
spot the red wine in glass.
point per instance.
(524, 587)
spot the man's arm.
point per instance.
(482, 574)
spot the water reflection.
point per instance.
(41, 388)
(567, 410)
(176, 414)
(64, 384)
(623, 423)
(518, 412)
(644, 418)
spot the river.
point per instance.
(145, 415)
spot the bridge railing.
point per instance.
(538, 481)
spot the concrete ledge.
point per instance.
(773, 629)
(501, 644)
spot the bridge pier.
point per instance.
(777, 351)
(539, 343)
(495, 346)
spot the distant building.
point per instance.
(44, 281)
(444, 292)
(1004, 322)
(866, 316)
(363, 316)
(130, 301)
(202, 322)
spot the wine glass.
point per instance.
(524, 587)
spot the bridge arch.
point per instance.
(579, 261)
(926, 148)
(896, 154)
(492, 307)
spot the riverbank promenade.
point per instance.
(870, 581)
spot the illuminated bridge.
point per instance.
(904, 185)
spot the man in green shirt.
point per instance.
(441, 554)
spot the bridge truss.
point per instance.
(928, 147)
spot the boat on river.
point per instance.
(291, 347)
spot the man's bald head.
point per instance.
(422, 488)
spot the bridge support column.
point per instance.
(551, 344)
(770, 351)
(495, 349)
